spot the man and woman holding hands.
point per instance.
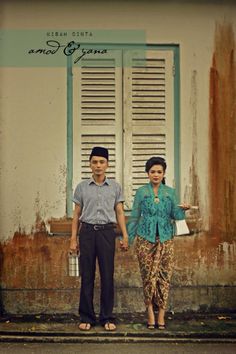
(98, 207)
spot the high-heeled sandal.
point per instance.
(151, 326)
(161, 326)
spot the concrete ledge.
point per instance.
(130, 328)
(127, 300)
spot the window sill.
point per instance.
(60, 226)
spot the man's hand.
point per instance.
(124, 243)
(74, 245)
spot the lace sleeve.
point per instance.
(133, 220)
(177, 212)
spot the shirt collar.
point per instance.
(91, 181)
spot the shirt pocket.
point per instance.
(108, 198)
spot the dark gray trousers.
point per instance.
(96, 244)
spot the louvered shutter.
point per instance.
(148, 115)
(98, 96)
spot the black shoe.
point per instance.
(161, 326)
(151, 326)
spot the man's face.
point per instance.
(98, 165)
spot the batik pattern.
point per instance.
(156, 266)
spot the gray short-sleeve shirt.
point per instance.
(98, 201)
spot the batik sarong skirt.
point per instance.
(156, 267)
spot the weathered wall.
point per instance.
(39, 109)
(33, 156)
(34, 276)
(33, 146)
(222, 133)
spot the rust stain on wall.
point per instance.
(35, 261)
(204, 260)
(34, 270)
(222, 132)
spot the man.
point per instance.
(98, 205)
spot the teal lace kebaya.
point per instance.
(150, 212)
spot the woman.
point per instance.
(151, 221)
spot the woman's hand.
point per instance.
(124, 243)
(184, 206)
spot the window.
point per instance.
(125, 101)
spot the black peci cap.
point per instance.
(99, 151)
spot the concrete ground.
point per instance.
(121, 348)
(131, 328)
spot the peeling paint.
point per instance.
(222, 132)
(193, 170)
(192, 191)
(34, 268)
(204, 260)
(61, 180)
(35, 261)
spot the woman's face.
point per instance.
(156, 174)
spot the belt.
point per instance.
(97, 227)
